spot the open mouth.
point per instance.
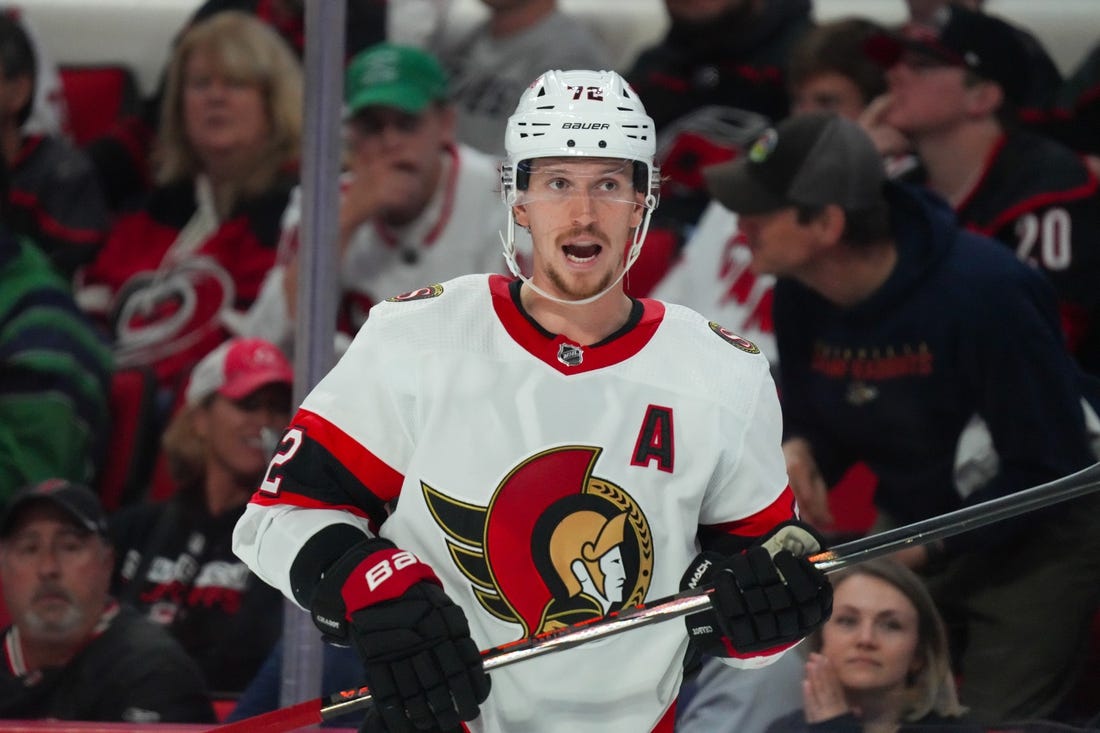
(581, 253)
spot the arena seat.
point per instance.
(98, 97)
(135, 432)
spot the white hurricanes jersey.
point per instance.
(458, 233)
(713, 277)
(547, 483)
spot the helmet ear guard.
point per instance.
(583, 114)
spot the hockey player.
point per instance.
(496, 457)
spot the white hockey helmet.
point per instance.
(592, 114)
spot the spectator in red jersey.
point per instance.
(228, 145)
(53, 193)
(121, 156)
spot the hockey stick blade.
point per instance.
(956, 522)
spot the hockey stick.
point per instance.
(919, 533)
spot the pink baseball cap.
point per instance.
(237, 368)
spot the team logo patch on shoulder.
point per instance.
(729, 337)
(431, 291)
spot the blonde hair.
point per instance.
(932, 688)
(247, 49)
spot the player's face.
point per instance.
(225, 118)
(779, 243)
(55, 575)
(872, 637)
(232, 431)
(401, 153)
(582, 213)
(926, 95)
(828, 92)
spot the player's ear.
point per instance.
(639, 210)
(519, 211)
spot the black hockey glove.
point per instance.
(423, 669)
(765, 598)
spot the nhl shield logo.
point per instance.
(570, 355)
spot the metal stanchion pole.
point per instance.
(316, 317)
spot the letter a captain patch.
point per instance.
(655, 439)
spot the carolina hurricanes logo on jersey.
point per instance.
(158, 314)
(550, 520)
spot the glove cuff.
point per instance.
(328, 608)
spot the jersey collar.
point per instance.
(564, 355)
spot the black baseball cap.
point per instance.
(78, 502)
(812, 159)
(987, 46)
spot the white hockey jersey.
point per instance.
(546, 482)
(713, 277)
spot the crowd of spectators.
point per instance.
(168, 246)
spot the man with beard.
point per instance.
(413, 200)
(72, 653)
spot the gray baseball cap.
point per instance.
(806, 160)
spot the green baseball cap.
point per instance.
(389, 75)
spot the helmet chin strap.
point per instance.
(509, 242)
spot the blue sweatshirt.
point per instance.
(959, 328)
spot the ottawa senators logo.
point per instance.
(731, 338)
(550, 520)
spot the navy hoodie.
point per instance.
(959, 328)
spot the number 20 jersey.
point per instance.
(546, 482)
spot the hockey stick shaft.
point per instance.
(850, 553)
(1075, 485)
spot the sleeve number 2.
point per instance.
(1045, 239)
(292, 441)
